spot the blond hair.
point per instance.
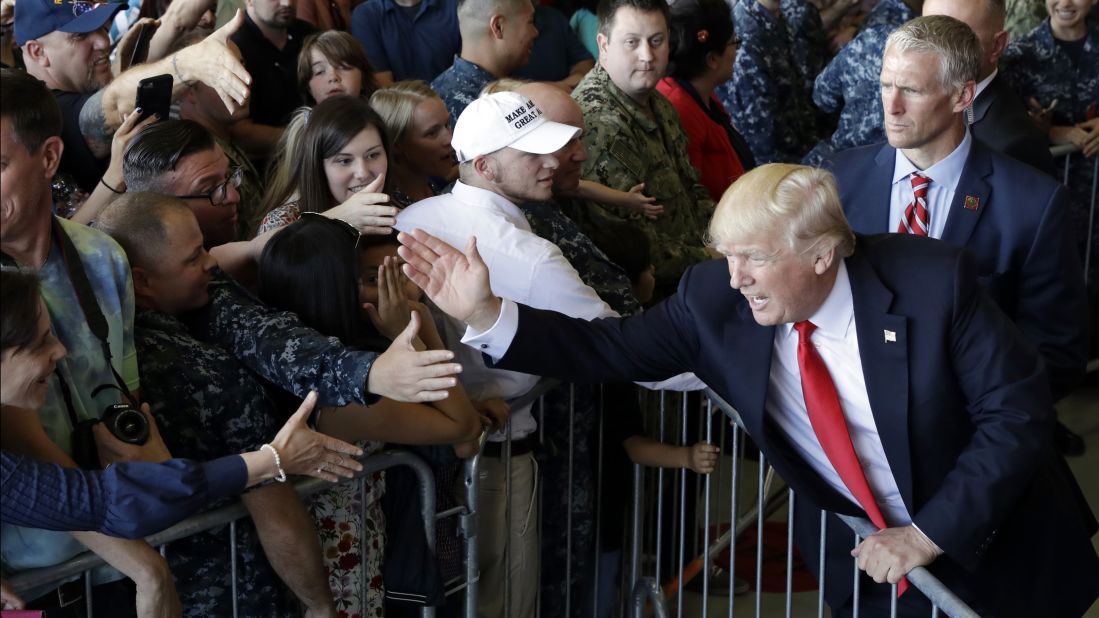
(801, 202)
(397, 103)
(959, 51)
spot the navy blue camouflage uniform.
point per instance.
(849, 84)
(208, 405)
(767, 97)
(1039, 67)
(460, 85)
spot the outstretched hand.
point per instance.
(403, 374)
(216, 62)
(305, 451)
(456, 282)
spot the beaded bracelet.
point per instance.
(278, 463)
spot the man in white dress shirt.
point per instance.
(505, 152)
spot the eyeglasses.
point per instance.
(83, 6)
(219, 193)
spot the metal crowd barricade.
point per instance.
(768, 499)
(49, 577)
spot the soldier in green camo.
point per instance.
(634, 136)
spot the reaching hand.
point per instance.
(368, 210)
(391, 315)
(457, 283)
(702, 457)
(889, 554)
(112, 450)
(304, 451)
(642, 204)
(125, 132)
(403, 374)
(216, 62)
(125, 50)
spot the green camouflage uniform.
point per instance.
(628, 144)
(1022, 16)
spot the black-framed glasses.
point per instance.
(83, 6)
(219, 193)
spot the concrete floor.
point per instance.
(1080, 412)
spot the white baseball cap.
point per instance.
(507, 119)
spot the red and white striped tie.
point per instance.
(917, 220)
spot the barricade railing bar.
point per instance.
(53, 576)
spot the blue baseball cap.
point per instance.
(37, 18)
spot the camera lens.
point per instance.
(126, 424)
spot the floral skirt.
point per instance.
(352, 552)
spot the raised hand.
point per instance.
(456, 282)
(368, 210)
(391, 316)
(403, 374)
(216, 62)
(642, 204)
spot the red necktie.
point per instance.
(822, 402)
(917, 220)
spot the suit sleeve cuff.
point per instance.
(225, 476)
(496, 340)
(927, 538)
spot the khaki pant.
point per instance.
(493, 532)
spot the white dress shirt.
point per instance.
(837, 342)
(521, 265)
(944, 176)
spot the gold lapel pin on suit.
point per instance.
(972, 202)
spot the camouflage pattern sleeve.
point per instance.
(767, 96)
(808, 40)
(276, 345)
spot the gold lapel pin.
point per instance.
(890, 336)
(972, 202)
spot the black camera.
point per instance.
(125, 422)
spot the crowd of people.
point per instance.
(244, 241)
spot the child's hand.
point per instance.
(391, 315)
(640, 203)
(494, 413)
(702, 457)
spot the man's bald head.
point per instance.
(554, 102)
(985, 18)
(558, 106)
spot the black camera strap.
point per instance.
(93, 314)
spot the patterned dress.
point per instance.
(352, 552)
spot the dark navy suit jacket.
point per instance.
(960, 401)
(1014, 220)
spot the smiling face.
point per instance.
(78, 62)
(920, 114)
(519, 34)
(425, 146)
(1068, 16)
(635, 54)
(26, 371)
(356, 165)
(780, 284)
(331, 79)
